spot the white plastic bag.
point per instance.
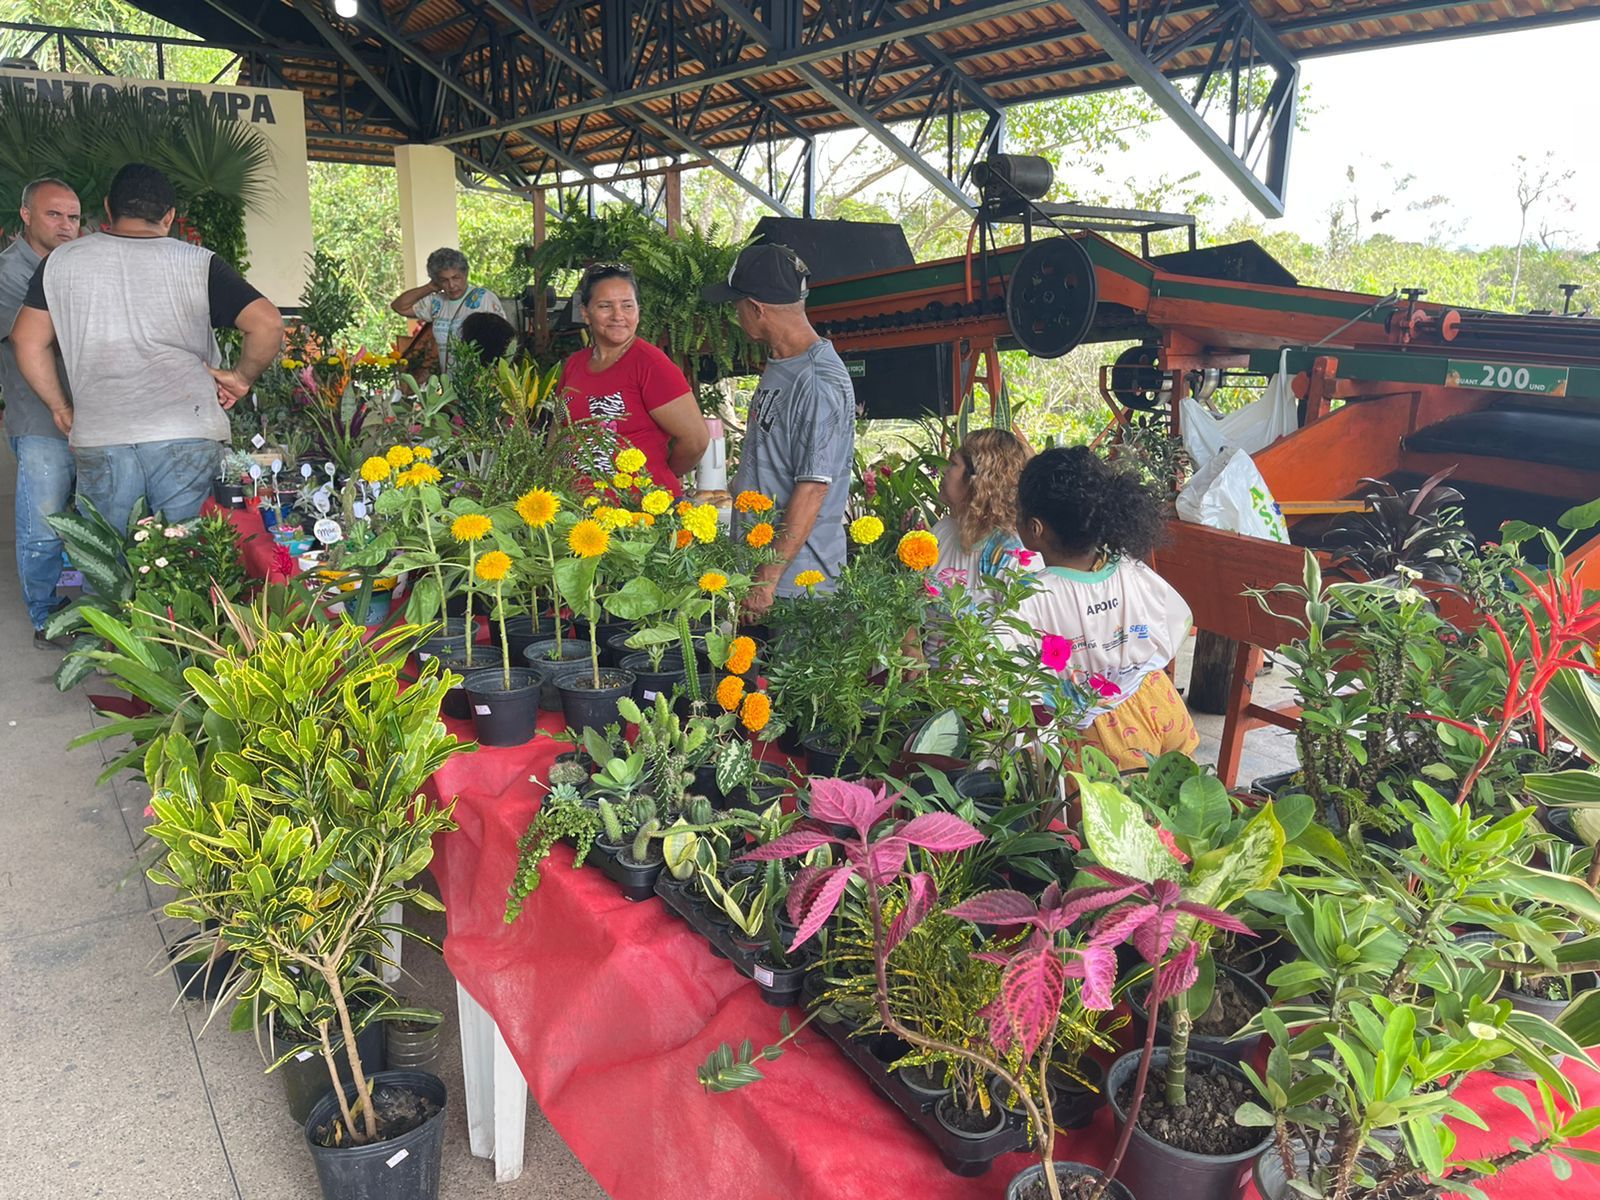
(1228, 493)
(1254, 427)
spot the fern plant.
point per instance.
(672, 273)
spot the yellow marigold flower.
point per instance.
(760, 535)
(622, 481)
(752, 502)
(335, 359)
(610, 518)
(630, 460)
(642, 480)
(656, 502)
(866, 530)
(701, 521)
(713, 582)
(808, 579)
(400, 456)
(471, 527)
(588, 539)
(682, 538)
(420, 451)
(741, 655)
(288, 364)
(755, 712)
(592, 502)
(418, 475)
(493, 566)
(729, 692)
(375, 469)
(538, 507)
(919, 550)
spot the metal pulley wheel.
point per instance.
(1051, 297)
(1138, 380)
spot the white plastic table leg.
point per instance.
(497, 1095)
(394, 914)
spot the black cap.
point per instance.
(766, 272)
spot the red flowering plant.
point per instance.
(874, 862)
(1020, 699)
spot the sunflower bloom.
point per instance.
(753, 502)
(713, 582)
(375, 469)
(760, 535)
(755, 712)
(400, 456)
(471, 527)
(538, 507)
(741, 655)
(657, 502)
(918, 550)
(588, 539)
(808, 579)
(682, 539)
(493, 566)
(419, 474)
(865, 530)
(730, 692)
(630, 460)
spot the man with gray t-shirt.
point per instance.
(133, 312)
(799, 445)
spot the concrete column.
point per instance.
(427, 178)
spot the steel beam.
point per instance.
(715, 163)
(868, 37)
(402, 111)
(1128, 55)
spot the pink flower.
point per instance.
(1055, 652)
(1171, 843)
(952, 575)
(149, 810)
(1024, 557)
(869, 484)
(932, 591)
(1103, 686)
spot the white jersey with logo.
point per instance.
(1124, 621)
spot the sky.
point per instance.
(1455, 114)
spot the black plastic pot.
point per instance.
(1072, 1104)
(1539, 1006)
(442, 646)
(984, 788)
(536, 657)
(1226, 1049)
(402, 1168)
(1155, 1169)
(615, 648)
(650, 682)
(229, 495)
(825, 761)
(589, 707)
(943, 1112)
(455, 703)
(708, 697)
(1028, 1183)
(522, 632)
(413, 1048)
(780, 984)
(504, 716)
(756, 797)
(305, 1076)
(200, 966)
(637, 880)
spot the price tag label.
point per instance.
(481, 709)
(650, 697)
(305, 470)
(762, 975)
(395, 1159)
(302, 1056)
(255, 472)
(359, 510)
(258, 441)
(1506, 377)
(277, 465)
(327, 531)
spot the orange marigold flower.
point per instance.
(730, 692)
(760, 535)
(741, 655)
(683, 538)
(753, 502)
(755, 712)
(919, 550)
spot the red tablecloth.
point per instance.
(609, 1007)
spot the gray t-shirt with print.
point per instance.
(802, 428)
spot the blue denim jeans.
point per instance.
(44, 488)
(173, 477)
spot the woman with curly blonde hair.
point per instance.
(979, 486)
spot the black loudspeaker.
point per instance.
(905, 383)
(839, 249)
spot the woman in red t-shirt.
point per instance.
(628, 385)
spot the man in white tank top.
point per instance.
(133, 312)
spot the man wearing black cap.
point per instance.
(799, 446)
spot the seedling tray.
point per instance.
(778, 988)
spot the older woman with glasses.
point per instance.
(446, 300)
(630, 386)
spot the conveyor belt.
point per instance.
(1508, 430)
